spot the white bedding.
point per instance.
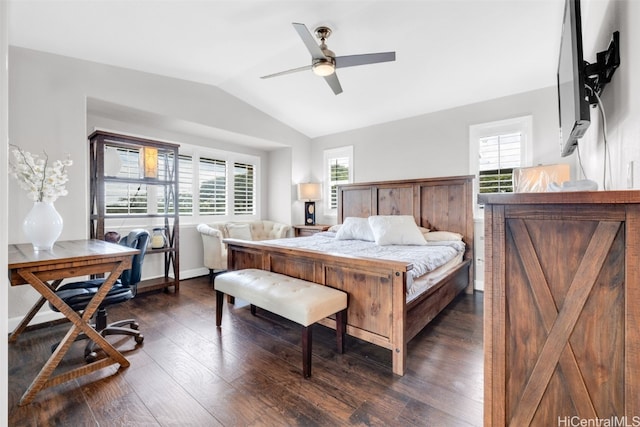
(426, 281)
(425, 258)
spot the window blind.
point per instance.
(185, 185)
(243, 189)
(165, 196)
(338, 174)
(499, 155)
(123, 198)
(212, 186)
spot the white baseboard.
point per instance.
(196, 272)
(46, 315)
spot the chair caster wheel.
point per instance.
(139, 339)
(91, 357)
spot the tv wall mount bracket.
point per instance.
(600, 73)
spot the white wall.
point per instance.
(280, 162)
(49, 99)
(437, 144)
(4, 137)
(621, 97)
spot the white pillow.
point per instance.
(440, 236)
(239, 231)
(354, 228)
(396, 230)
(335, 228)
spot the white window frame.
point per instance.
(252, 204)
(231, 158)
(523, 125)
(330, 154)
(212, 161)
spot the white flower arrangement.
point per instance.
(42, 181)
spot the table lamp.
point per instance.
(536, 179)
(309, 192)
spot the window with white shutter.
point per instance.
(122, 197)
(210, 183)
(338, 170)
(496, 148)
(212, 186)
(243, 189)
(185, 185)
(164, 192)
(498, 155)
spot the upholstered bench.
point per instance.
(298, 300)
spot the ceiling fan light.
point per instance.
(324, 68)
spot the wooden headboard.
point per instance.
(437, 203)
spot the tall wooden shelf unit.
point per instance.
(562, 308)
(166, 183)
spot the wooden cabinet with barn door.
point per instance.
(562, 308)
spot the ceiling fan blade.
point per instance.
(309, 41)
(282, 73)
(332, 80)
(367, 58)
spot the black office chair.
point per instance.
(78, 295)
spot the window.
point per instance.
(185, 185)
(497, 148)
(212, 186)
(126, 198)
(243, 189)
(498, 155)
(338, 174)
(338, 170)
(163, 193)
(210, 183)
(217, 184)
(136, 198)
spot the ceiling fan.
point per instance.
(324, 62)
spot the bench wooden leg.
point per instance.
(306, 351)
(219, 304)
(341, 329)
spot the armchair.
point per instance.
(215, 251)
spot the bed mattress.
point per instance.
(430, 262)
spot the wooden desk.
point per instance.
(67, 259)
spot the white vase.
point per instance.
(42, 226)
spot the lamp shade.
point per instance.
(149, 162)
(309, 191)
(536, 179)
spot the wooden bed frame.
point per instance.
(378, 312)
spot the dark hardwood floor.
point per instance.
(189, 373)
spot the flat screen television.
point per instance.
(573, 99)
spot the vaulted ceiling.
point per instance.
(449, 52)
